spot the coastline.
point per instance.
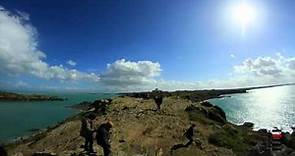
(127, 108)
(41, 132)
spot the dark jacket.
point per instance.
(158, 100)
(86, 127)
(3, 151)
(189, 133)
(103, 136)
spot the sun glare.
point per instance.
(244, 15)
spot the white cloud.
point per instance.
(277, 69)
(232, 55)
(128, 76)
(19, 53)
(71, 62)
(127, 73)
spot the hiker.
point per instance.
(87, 132)
(103, 137)
(189, 133)
(158, 100)
(2, 151)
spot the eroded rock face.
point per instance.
(206, 104)
(210, 111)
(214, 115)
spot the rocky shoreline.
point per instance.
(8, 96)
(148, 132)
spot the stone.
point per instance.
(44, 154)
(263, 130)
(206, 104)
(248, 125)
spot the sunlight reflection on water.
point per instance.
(267, 107)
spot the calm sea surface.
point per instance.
(267, 108)
(20, 118)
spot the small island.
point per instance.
(8, 96)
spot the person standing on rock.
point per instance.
(87, 132)
(103, 137)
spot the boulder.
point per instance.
(248, 125)
(206, 104)
(263, 130)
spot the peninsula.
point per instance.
(8, 96)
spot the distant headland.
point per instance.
(8, 96)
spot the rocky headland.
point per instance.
(140, 130)
(8, 96)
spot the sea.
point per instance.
(266, 107)
(22, 119)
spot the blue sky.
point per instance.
(197, 44)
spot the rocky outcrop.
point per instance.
(249, 125)
(210, 111)
(85, 105)
(100, 106)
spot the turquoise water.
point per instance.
(266, 108)
(17, 119)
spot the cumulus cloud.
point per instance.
(232, 56)
(128, 73)
(276, 69)
(19, 53)
(71, 63)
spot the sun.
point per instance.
(244, 15)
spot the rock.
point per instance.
(122, 141)
(231, 129)
(206, 104)
(220, 111)
(248, 125)
(291, 142)
(159, 152)
(44, 154)
(262, 130)
(18, 154)
(213, 114)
